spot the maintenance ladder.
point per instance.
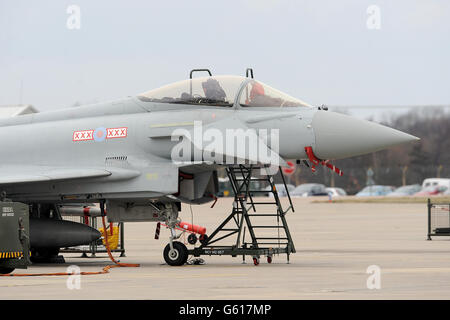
(244, 217)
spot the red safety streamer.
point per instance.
(315, 161)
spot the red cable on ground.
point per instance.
(104, 270)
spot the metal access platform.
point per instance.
(91, 216)
(246, 220)
(438, 219)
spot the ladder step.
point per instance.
(272, 203)
(271, 239)
(269, 227)
(274, 243)
(263, 215)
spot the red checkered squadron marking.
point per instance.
(112, 133)
(83, 135)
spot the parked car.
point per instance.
(375, 190)
(281, 189)
(434, 186)
(436, 182)
(309, 189)
(405, 191)
(336, 192)
(432, 190)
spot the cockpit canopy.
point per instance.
(221, 91)
(258, 94)
(212, 91)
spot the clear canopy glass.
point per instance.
(258, 94)
(212, 91)
(221, 91)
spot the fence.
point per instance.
(97, 245)
(438, 219)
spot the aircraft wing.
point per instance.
(11, 174)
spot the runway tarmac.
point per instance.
(335, 242)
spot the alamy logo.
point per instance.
(74, 19)
(74, 280)
(374, 280)
(373, 21)
(234, 146)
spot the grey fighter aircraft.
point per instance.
(130, 154)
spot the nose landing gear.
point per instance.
(175, 253)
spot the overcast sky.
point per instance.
(319, 51)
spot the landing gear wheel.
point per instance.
(269, 259)
(176, 257)
(256, 261)
(6, 270)
(204, 239)
(192, 239)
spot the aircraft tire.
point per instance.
(179, 255)
(6, 270)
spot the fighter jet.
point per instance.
(143, 156)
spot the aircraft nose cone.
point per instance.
(341, 136)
